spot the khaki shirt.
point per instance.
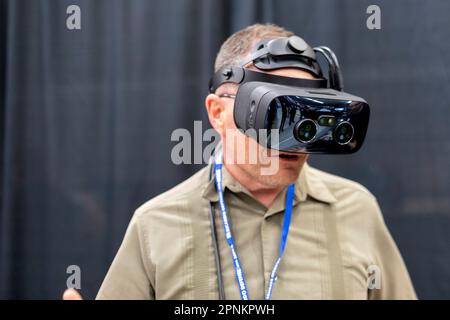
(338, 245)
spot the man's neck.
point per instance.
(262, 192)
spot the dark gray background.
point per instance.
(86, 118)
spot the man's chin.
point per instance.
(283, 176)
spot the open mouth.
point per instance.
(285, 156)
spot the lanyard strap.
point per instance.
(239, 273)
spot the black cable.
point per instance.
(338, 72)
(212, 216)
(334, 74)
(212, 220)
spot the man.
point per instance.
(338, 245)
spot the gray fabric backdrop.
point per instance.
(86, 118)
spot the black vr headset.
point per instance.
(309, 115)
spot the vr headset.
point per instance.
(308, 115)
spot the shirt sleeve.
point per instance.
(394, 282)
(129, 274)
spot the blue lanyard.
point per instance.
(239, 273)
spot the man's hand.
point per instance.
(71, 294)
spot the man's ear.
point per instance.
(215, 108)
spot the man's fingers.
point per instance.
(71, 294)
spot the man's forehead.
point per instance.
(289, 72)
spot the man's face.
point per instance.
(237, 145)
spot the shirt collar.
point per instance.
(309, 183)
